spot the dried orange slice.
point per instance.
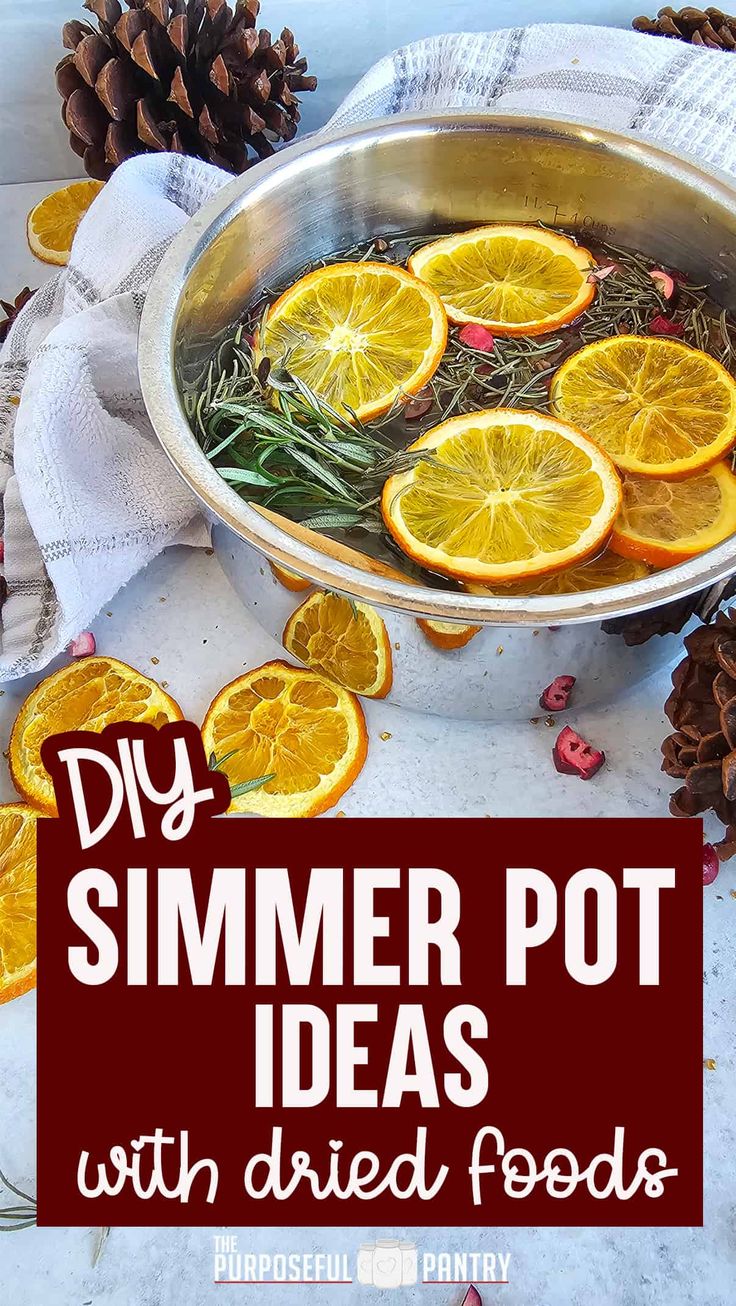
(86, 695)
(361, 335)
(344, 640)
(594, 574)
(289, 579)
(52, 225)
(666, 522)
(507, 494)
(447, 634)
(17, 900)
(291, 741)
(658, 407)
(518, 281)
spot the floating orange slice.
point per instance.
(86, 695)
(344, 640)
(292, 741)
(361, 335)
(516, 280)
(17, 900)
(504, 495)
(447, 634)
(593, 574)
(666, 522)
(658, 407)
(52, 225)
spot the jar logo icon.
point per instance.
(387, 1263)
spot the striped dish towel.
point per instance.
(88, 497)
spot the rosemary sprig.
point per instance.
(245, 786)
(277, 442)
(18, 1215)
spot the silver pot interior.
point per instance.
(421, 174)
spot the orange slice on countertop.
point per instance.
(17, 900)
(658, 407)
(666, 522)
(515, 280)
(291, 741)
(52, 224)
(503, 495)
(362, 336)
(88, 694)
(343, 639)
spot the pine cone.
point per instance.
(185, 75)
(709, 27)
(670, 618)
(702, 708)
(11, 311)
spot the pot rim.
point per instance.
(221, 502)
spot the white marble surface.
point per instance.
(182, 611)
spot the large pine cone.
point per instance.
(710, 27)
(671, 618)
(702, 708)
(185, 75)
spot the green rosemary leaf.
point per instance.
(224, 444)
(216, 763)
(358, 453)
(333, 521)
(323, 474)
(247, 786)
(101, 1238)
(243, 476)
(15, 1190)
(279, 379)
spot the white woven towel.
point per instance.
(88, 497)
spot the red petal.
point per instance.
(83, 646)
(476, 336)
(664, 326)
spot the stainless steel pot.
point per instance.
(423, 172)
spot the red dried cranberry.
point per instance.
(556, 696)
(711, 864)
(664, 326)
(572, 755)
(476, 336)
